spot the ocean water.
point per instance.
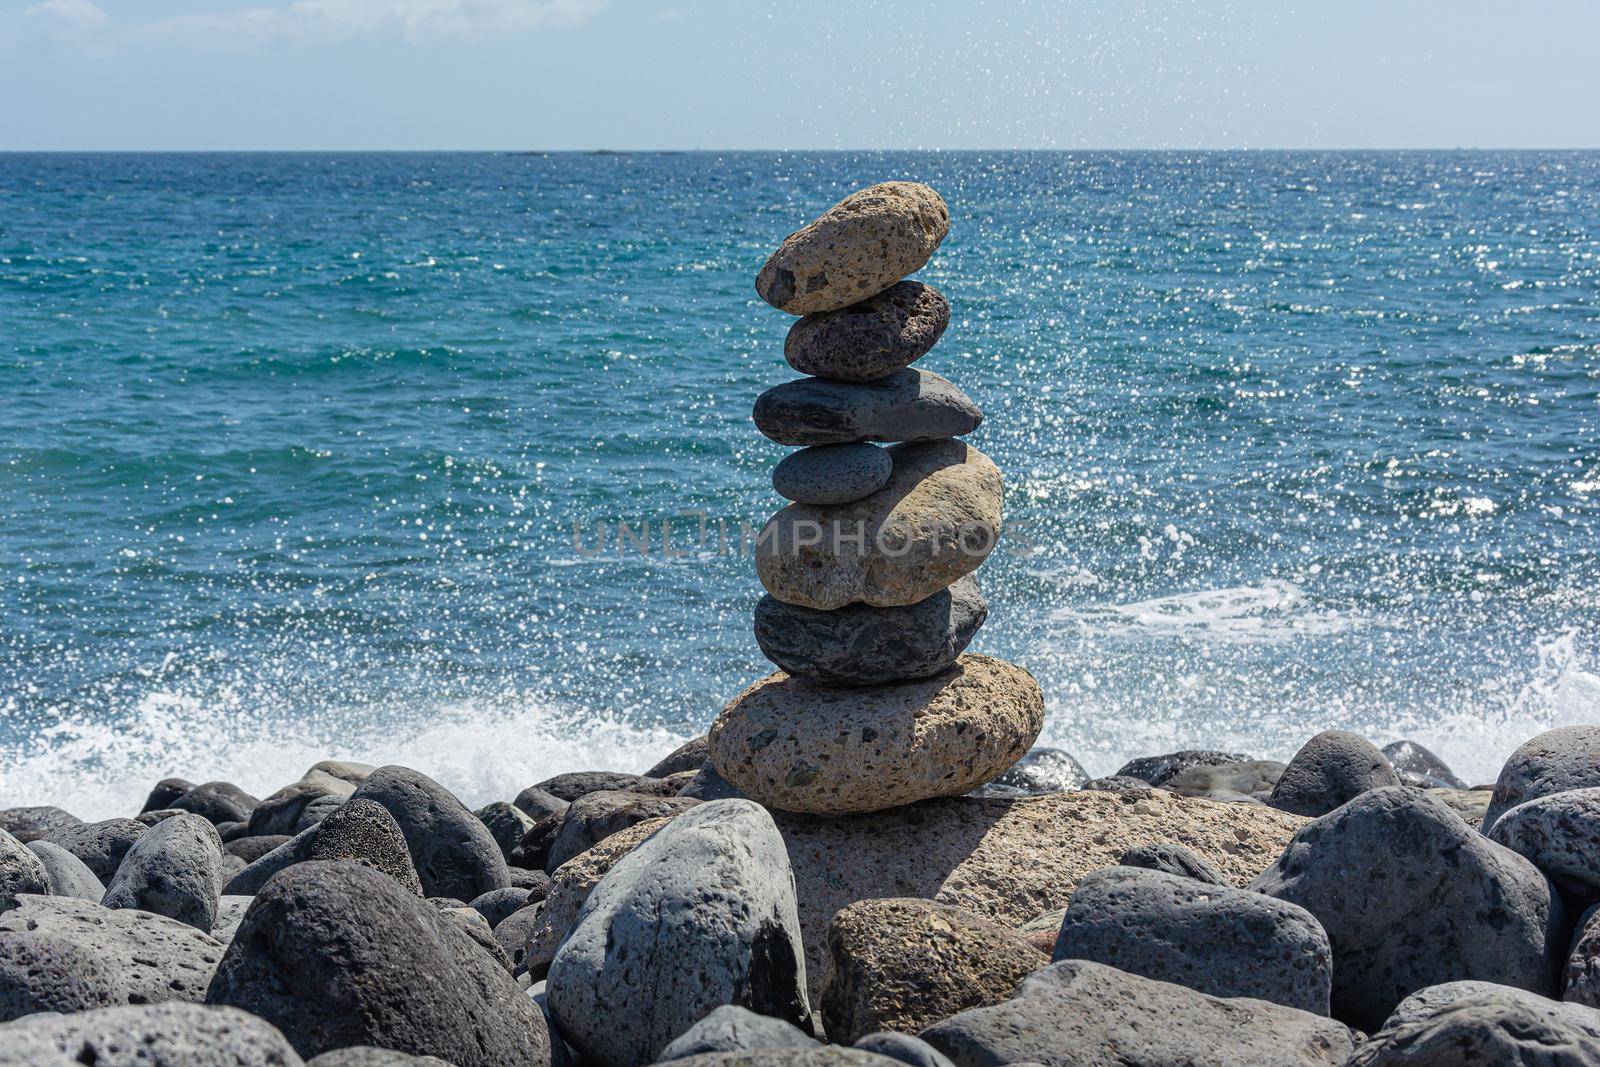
(311, 454)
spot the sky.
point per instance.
(730, 74)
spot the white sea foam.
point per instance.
(482, 753)
(1271, 612)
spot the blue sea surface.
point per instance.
(311, 454)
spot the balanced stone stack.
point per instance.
(870, 597)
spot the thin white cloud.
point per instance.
(80, 13)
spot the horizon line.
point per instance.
(603, 151)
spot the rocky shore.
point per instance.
(866, 862)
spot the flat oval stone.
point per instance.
(861, 645)
(871, 339)
(832, 474)
(936, 519)
(856, 249)
(908, 405)
(801, 746)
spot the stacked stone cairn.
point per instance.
(871, 599)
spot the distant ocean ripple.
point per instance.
(292, 449)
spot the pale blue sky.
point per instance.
(358, 74)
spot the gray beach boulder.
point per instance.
(1158, 769)
(174, 870)
(862, 645)
(574, 784)
(1553, 762)
(908, 405)
(1243, 781)
(362, 831)
(336, 954)
(1082, 1014)
(281, 812)
(146, 1035)
(100, 845)
(20, 872)
(1042, 771)
(454, 854)
(37, 822)
(1580, 978)
(1374, 873)
(536, 803)
(1426, 1003)
(251, 849)
(686, 757)
(701, 914)
(69, 876)
(594, 817)
(856, 249)
(497, 905)
(731, 1028)
(912, 1051)
(255, 874)
(708, 784)
(904, 964)
(372, 1056)
(872, 338)
(217, 802)
(1212, 938)
(506, 823)
(164, 792)
(1487, 1031)
(1173, 859)
(832, 474)
(76, 955)
(1331, 769)
(1560, 834)
(1418, 766)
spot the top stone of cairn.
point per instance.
(856, 249)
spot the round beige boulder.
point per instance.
(798, 746)
(856, 249)
(934, 521)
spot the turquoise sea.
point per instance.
(293, 449)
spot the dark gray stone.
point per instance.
(306, 960)
(217, 802)
(1580, 980)
(832, 474)
(453, 852)
(701, 914)
(864, 645)
(1173, 859)
(534, 850)
(68, 875)
(1157, 769)
(1212, 938)
(513, 931)
(1331, 769)
(874, 338)
(497, 905)
(820, 1056)
(372, 1056)
(146, 1035)
(1041, 772)
(230, 913)
(362, 831)
(1419, 767)
(908, 405)
(280, 813)
(594, 817)
(731, 1028)
(1489, 1031)
(1560, 835)
(708, 784)
(164, 793)
(151, 818)
(1410, 897)
(250, 880)
(574, 784)
(535, 883)
(317, 809)
(77, 955)
(1082, 1014)
(912, 1051)
(251, 849)
(231, 831)
(1426, 1003)
(1553, 762)
(36, 823)
(100, 845)
(686, 757)
(174, 870)
(1118, 783)
(1226, 781)
(477, 928)
(536, 803)
(506, 823)
(21, 871)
